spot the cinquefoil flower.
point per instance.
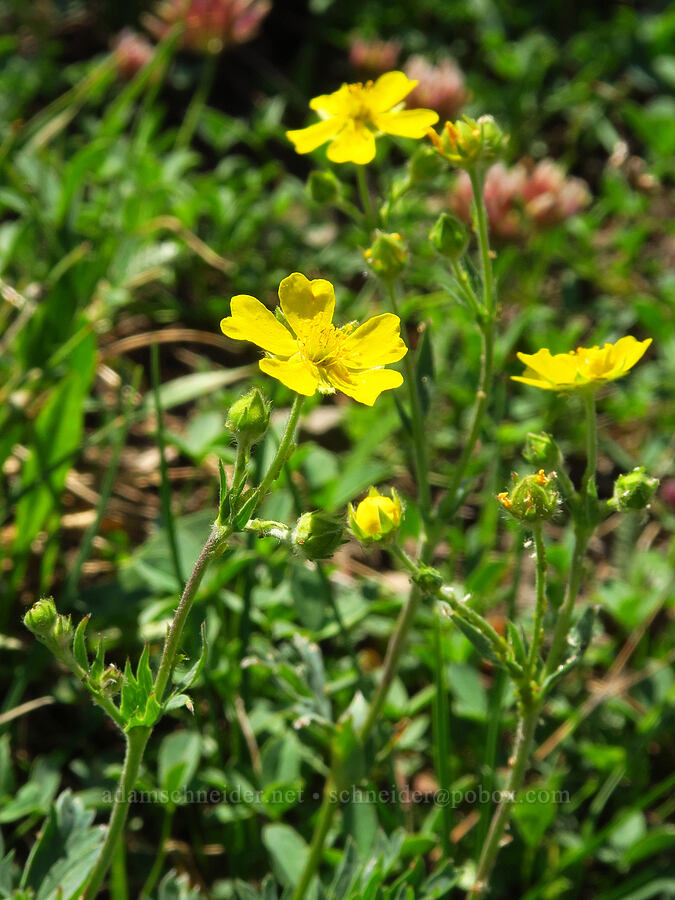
(352, 116)
(308, 353)
(581, 368)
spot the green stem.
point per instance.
(486, 322)
(200, 96)
(366, 201)
(326, 814)
(584, 523)
(523, 748)
(483, 241)
(417, 421)
(540, 604)
(158, 864)
(562, 627)
(137, 738)
(214, 545)
(283, 449)
(588, 482)
(434, 588)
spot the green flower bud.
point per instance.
(634, 490)
(41, 618)
(449, 236)
(63, 633)
(467, 142)
(377, 517)
(541, 450)
(249, 417)
(323, 187)
(318, 534)
(387, 256)
(111, 681)
(533, 498)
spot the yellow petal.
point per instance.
(364, 387)
(536, 381)
(353, 144)
(388, 90)
(251, 321)
(561, 368)
(335, 104)
(375, 343)
(412, 123)
(303, 300)
(295, 373)
(628, 351)
(308, 139)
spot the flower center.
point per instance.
(321, 345)
(359, 108)
(595, 361)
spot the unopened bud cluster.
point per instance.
(533, 498)
(469, 142)
(54, 630)
(541, 450)
(449, 236)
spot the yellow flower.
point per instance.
(353, 115)
(309, 353)
(376, 517)
(583, 367)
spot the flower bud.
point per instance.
(449, 236)
(634, 490)
(249, 417)
(467, 142)
(323, 187)
(533, 498)
(541, 450)
(387, 256)
(41, 618)
(63, 633)
(377, 517)
(111, 681)
(318, 534)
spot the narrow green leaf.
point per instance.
(79, 644)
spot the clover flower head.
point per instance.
(131, 51)
(440, 87)
(355, 114)
(373, 56)
(583, 368)
(307, 353)
(209, 25)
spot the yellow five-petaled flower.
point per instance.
(583, 368)
(352, 116)
(308, 353)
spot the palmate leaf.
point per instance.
(65, 851)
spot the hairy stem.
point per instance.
(540, 604)
(522, 750)
(326, 814)
(137, 738)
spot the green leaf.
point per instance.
(129, 696)
(289, 852)
(178, 759)
(79, 644)
(144, 675)
(577, 643)
(98, 664)
(245, 511)
(193, 673)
